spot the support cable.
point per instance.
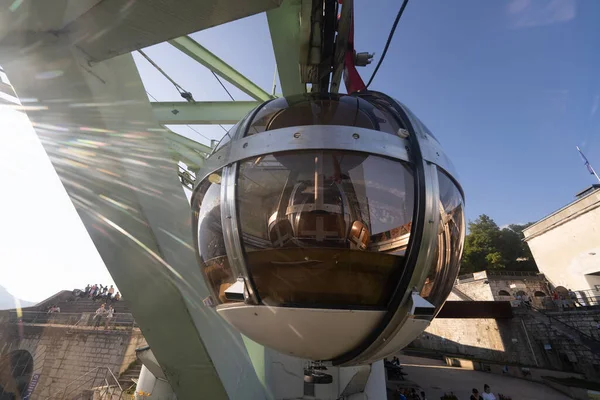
(188, 125)
(389, 40)
(184, 93)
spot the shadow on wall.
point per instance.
(507, 342)
(15, 374)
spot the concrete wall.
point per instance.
(62, 354)
(566, 244)
(486, 339)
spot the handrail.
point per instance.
(550, 317)
(93, 380)
(72, 319)
(96, 369)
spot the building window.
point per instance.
(539, 294)
(503, 293)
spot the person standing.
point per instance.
(487, 393)
(111, 291)
(555, 299)
(109, 316)
(526, 300)
(99, 314)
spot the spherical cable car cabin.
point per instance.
(329, 227)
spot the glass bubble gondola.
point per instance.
(329, 227)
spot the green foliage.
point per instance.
(489, 247)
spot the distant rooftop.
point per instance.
(589, 190)
(585, 201)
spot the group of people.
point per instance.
(103, 313)
(568, 300)
(410, 394)
(101, 292)
(486, 395)
(54, 309)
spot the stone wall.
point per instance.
(62, 355)
(485, 339)
(488, 286)
(528, 339)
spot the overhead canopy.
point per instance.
(104, 29)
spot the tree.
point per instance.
(516, 250)
(489, 247)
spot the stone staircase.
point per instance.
(79, 306)
(555, 327)
(132, 372)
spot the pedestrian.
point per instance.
(475, 395)
(100, 312)
(117, 296)
(400, 393)
(111, 292)
(555, 299)
(109, 316)
(526, 300)
(487, 393)
(573, 298)
(564, 301)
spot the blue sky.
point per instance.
(508, 87)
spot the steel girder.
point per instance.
(200, 54)
(201, 113)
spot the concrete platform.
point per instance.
(436, 378)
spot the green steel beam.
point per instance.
(200, 54)
(284, 25)
(189, 143)
(202, 113)
(189, 151)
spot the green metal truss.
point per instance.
(197, 52)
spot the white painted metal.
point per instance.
(105, 29)
(412, 328)
(280, 327)
(126, 191)
(152, 388)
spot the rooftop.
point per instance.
(586, 201)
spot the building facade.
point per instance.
(566, 243)
(503, 286)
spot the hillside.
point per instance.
(7, 300)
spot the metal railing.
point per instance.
(118, 321)
(512, 273)
(490, 273)
(94, 379)
(588, 297)
(584, 338)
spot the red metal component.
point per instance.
(352, 79)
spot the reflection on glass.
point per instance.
(322, 109)
(227, 137)
(211, 245)
(450, 238)
(325, 227)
